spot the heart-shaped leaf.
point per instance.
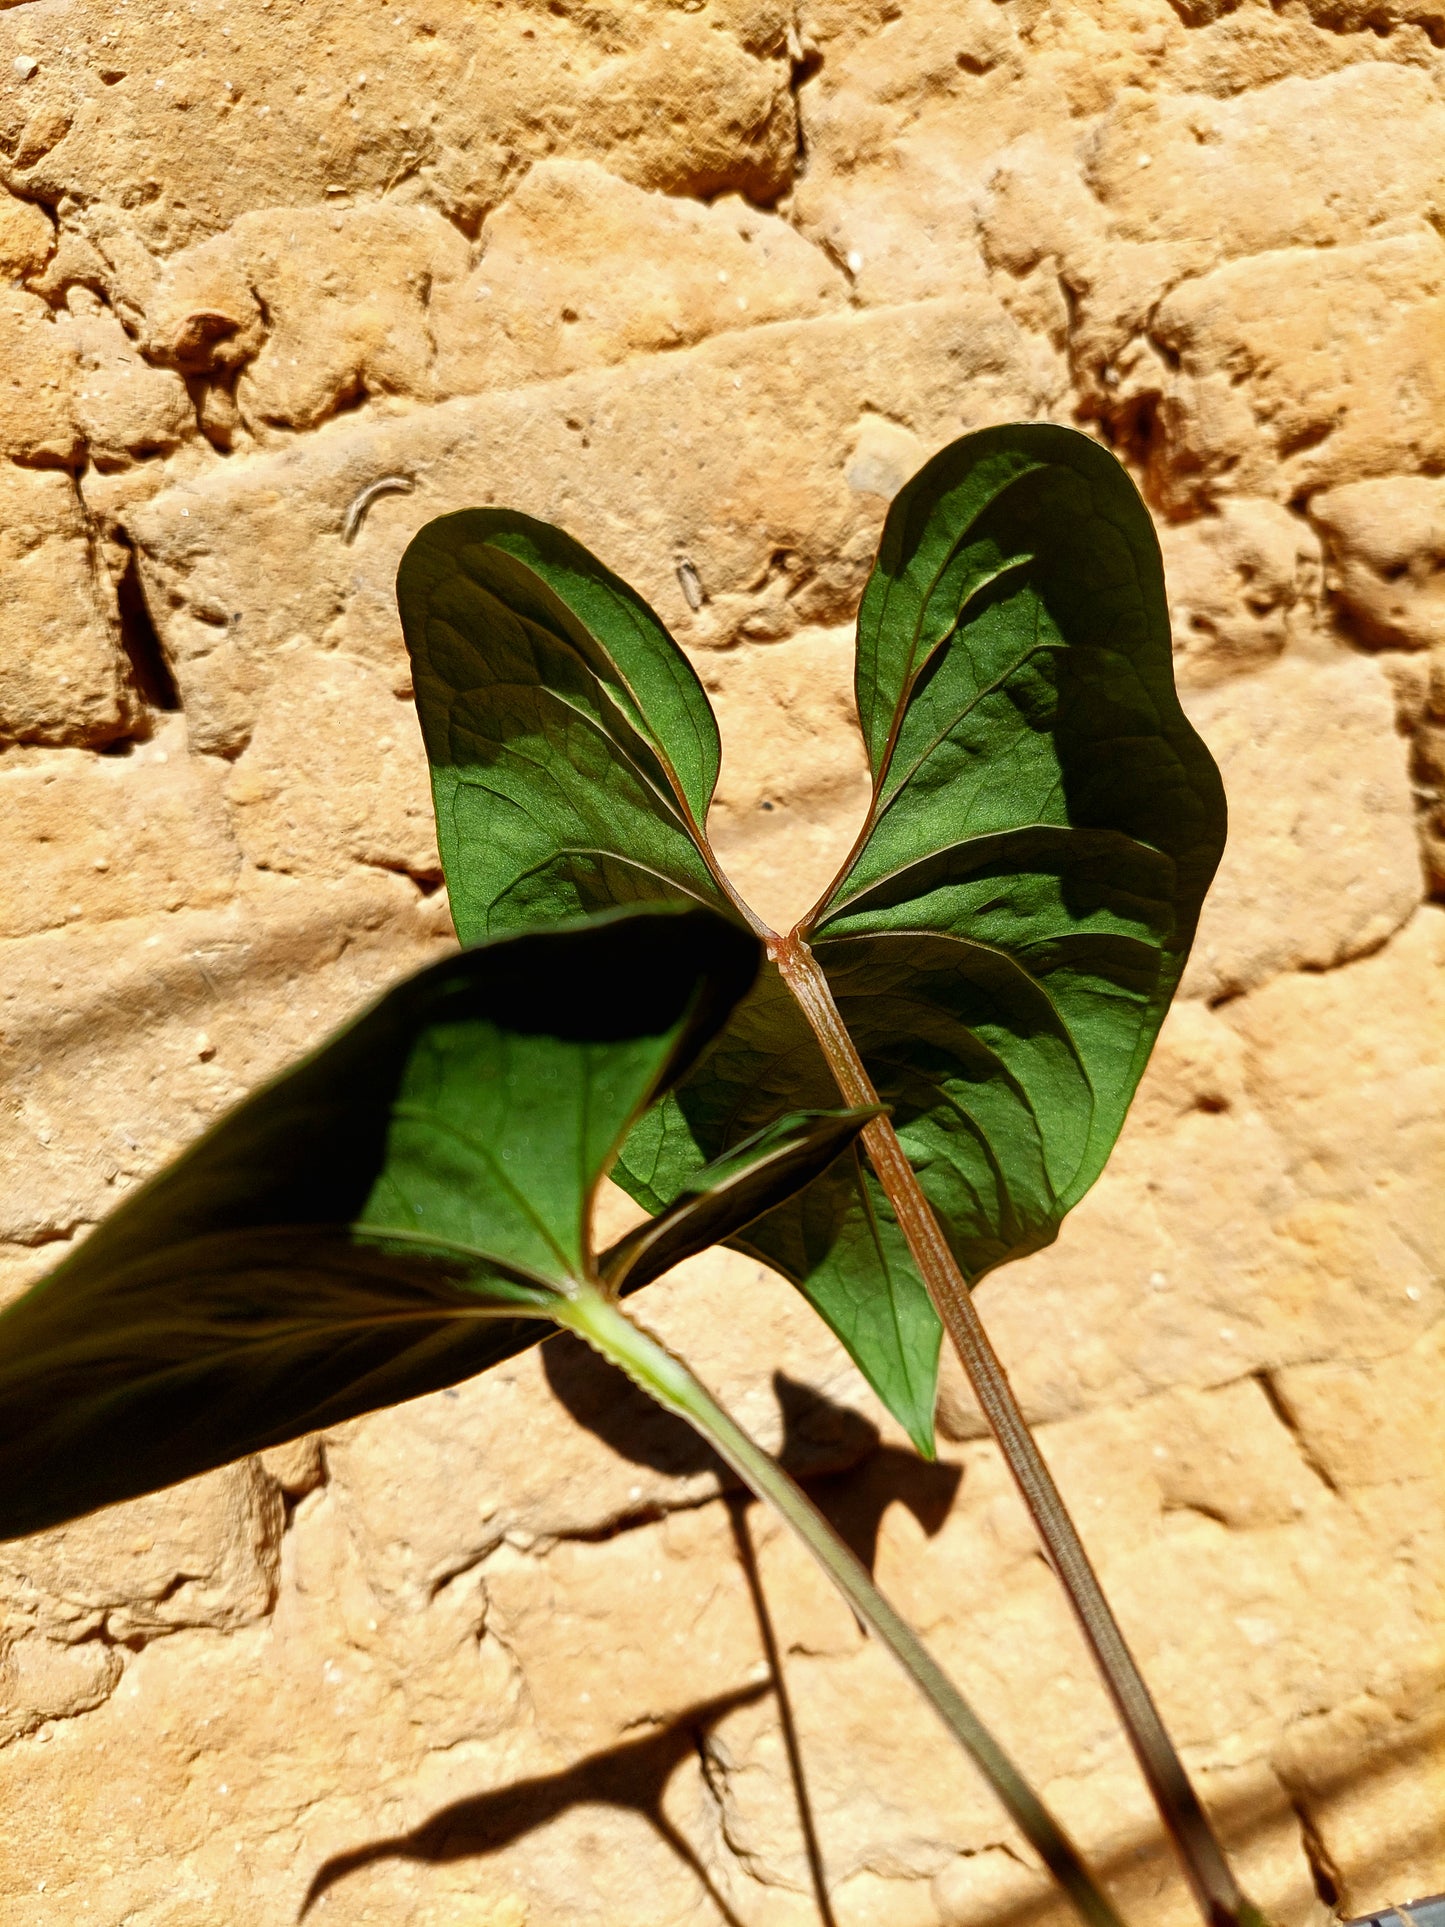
(394, 1213)
(1017, 911)
(573, 751)
(1008, 930)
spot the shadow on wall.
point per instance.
(633, 1775)
(853, 1479)
(834, 1451)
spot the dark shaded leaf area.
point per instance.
(389, 1216)
(1007, 932)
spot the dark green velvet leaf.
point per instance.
(1016, 914)
(573, 751)
(1012, 922)
(394, 1213)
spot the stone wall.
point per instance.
(282, 279)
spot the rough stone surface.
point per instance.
(706, 282)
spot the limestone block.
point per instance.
(1258, 1826)
(202, 1728)
(1038, 206)
(1321, 862)
(1385, 551)
(903, 226)
(200, 1554)
(26, 238)
(1277, 1218)
(1271, 167)
(902, 126)
(97, 837)
(1372, 1424)
(200, 126)
(1366, 1771)
(1303, 369)
(345, 296)
(124, 408)
(433, 1654)
(1371, 1107)
(692, 112)
(37, 387)
(380, 301)
(547, 298)
(1224, 1455)
(1241, 582)
(696, 1638)
(40, 117)
(122, 1040)
(62, 673)
(1205, 1608)
(996, 1881)
(335, 774)
(1203, 1601)
(298, 1467)
(44, 1679)
(882, 1798)
(243, 556)
(886, 456)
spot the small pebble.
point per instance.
(26, 65)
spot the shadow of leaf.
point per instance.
(634, 1774)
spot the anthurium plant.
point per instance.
(907, 1089)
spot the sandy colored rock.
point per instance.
(1336, 1409)
(125, 409)
(1367, 1773)
(367, 799)
(202, 1554)
(1321, 862)
(707, 284)
(790, 797)
(295, 100)
(1278, 370)
(1239, 1226)
(1241, 582)
(26, 238)
(63, 676)
(112, 837)
(1385, 548)
(37, 406)
(249, 304)
(515, 1455)
(1388, 1058)
(546, 299)
(43, 1680)
(1273, 167)
(249, 553)
(123, 1039)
